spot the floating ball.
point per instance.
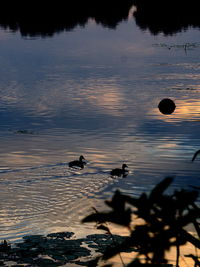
(166, 106)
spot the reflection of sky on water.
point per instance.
(94, 92)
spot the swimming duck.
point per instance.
(120, 172)
(77, 163)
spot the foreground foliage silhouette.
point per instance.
(164, 219)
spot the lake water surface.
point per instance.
(92, 91)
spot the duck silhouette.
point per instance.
(120, 172)
(77, 163)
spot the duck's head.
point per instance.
(81, 158)
(124, 166)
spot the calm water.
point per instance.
(92, 91)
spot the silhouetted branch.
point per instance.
(187, 236)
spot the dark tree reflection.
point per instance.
(168, 17)
(44, 19)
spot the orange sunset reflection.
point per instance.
(185, 110)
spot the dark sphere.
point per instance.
(166, 106)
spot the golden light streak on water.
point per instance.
(186, 110)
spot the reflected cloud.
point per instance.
(12, 94)
(99, 94)
(20, 158)
(108, 99)
(139, 49)
(167, 145)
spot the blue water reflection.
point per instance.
(94, 92)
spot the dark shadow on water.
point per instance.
(42, 18)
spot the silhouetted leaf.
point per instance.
(135, 263)
(112, 251)
(97, 217)
(196, 226)
(195, 259)
(191, 239)
(123, 218)
(143, 206)
(93, 263)
(117, 203)
(136, 202)
(195, 155)
(104, 228)
(190, 217)
(159, 189)
(164, 216)
(185, 198)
